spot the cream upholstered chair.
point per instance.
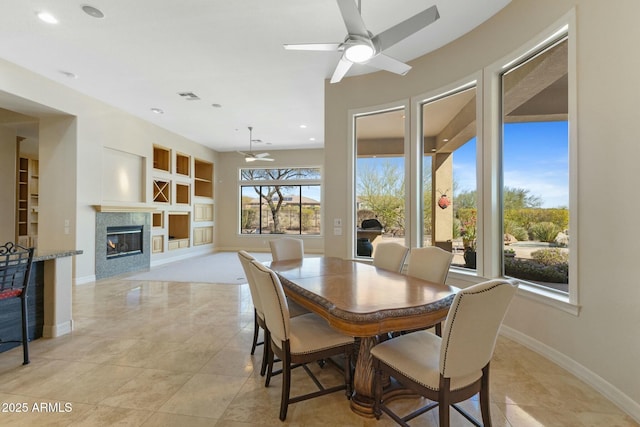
(429, 263)
(453, 368)
(258, 312)
(390, 256)
(289, 248)
(298, 340)
(286, 248)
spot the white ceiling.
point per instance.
(228, 52)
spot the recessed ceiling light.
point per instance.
(303, 126)
(69, 74)
(446, 140)
(157, 111)
(47, 17)
(312, 139)
(92, 11)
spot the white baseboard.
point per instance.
(617, 397)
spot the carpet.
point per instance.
(219, 267)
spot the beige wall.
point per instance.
(228, 199)
(7, 192)
(74, 129)
(601, 343)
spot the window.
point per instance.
(535, 168)
(449, 175)
(280, 201)
(379, 179)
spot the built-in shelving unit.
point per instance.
(27, 202)
(183, 192)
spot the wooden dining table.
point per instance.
(366, 302)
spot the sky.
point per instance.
(535, 157)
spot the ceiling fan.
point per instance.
(361, 47)
(250, 156)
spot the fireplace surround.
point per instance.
(117, 235)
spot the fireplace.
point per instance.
(124, 241)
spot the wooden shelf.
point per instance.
(157, 219)
(183, 193)
(27, 202)
(179, 227)
(183, 164)
(161, 191)
(161, 158)
(203, 178)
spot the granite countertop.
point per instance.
(44, 255)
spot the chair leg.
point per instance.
(25, 331)
(439, 329)
(444, 402)
(484, 398)
(347, 375)
(377, 393)
(256, 330)
(265, 353)
(286, 385)
(267, 342)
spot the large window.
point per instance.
(449, 175)
(535, 165)
(280, 201)
(379, 179)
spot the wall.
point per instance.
(7, 192)
(74, 130)
(228, 199)
(600, 344)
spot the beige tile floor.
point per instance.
(177, 354)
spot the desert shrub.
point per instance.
(551, 256)
(544, 231)
(526, 217)
(527, 269)
(516, 230)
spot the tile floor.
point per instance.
(177, 354)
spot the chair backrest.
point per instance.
(274, 302)
(286, 248)
(245, 260)
(429, 263)
(15, 268)
(390, 256)
(471, 328)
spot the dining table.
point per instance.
(366, 302)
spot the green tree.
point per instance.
(381, 189)
(519, 198)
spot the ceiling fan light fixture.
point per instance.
(359, 52)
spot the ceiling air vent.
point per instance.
(189, 96)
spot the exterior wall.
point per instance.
(600, 343)
(228, 199)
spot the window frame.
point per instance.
(284, 183)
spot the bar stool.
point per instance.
(15, 269)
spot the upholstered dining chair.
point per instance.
(429, 263)
(450, 369)
(15, 269)
(390, 256)
(298, 340)
(258, 312)
(286, 248)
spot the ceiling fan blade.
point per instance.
(352, 18)
(407, 27)
(341, 70)
(313, 46)
(264, 159)
(388, 63)
(262, 155)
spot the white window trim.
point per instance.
(566, 25)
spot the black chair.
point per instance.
(15, 268)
